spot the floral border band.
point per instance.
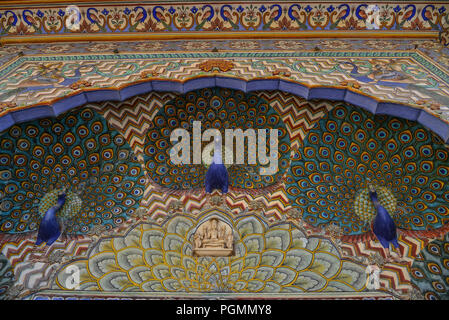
(199, 18)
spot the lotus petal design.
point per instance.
(275, 259)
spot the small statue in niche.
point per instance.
(213, 238)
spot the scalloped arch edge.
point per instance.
(64, 104)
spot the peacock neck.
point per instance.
(382, 213)
(374, 199)
(51, 213)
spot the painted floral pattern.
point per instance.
(276, 259)
(224, 17)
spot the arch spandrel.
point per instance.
(401, 83)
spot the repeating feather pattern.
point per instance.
(214, 108)
(350, 148)
(78, 151)
(430, 270)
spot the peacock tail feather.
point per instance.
(220, 109)
(77, 150)
(430, 270)
(350, 148)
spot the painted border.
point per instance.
(317, 34)
(44, 21)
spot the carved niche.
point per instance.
(213, 238)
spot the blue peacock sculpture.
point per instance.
(383, 226)
(50, 228)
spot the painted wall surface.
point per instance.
(92, 119)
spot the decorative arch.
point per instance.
(369, 103)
